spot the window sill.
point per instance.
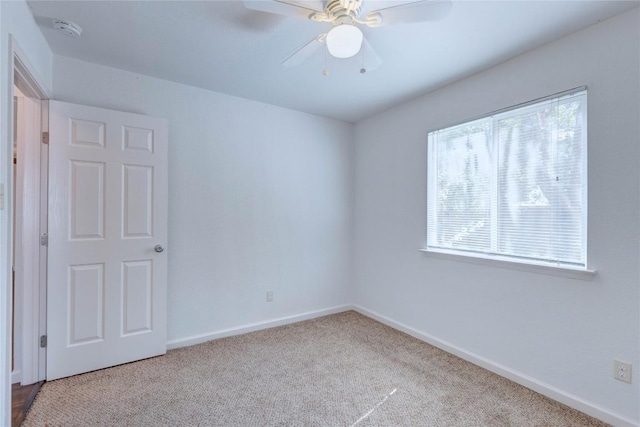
(573, 273)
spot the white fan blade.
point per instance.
(284, 7)
(370, 59)
(302, 54)
(419, 11)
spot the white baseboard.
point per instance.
(197, 339)
(517, 377)
(16, 377)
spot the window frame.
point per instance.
(506, 261)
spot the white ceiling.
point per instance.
(222, 46)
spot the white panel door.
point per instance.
(107, 269)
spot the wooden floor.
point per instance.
(21, 399)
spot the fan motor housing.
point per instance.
(336, 9)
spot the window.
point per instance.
(512, 186)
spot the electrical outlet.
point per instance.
(269, 296)
(622, 371)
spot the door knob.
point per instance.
(159, 248)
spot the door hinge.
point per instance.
(43, 341)
(45, 137)
(44, 240)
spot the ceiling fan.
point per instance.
(345, 39)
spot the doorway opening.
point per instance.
(27, 221)
(28, 180)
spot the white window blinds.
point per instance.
(512, 185)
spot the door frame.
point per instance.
(33, 307)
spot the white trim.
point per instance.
(534, 384)
(561, 271)
(14, 55)
(44, 206)
(6, 238)
(23, 66)
(34, 291)
(16, 377)
(252, 327)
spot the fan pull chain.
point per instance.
(362, 70)
(325, 71)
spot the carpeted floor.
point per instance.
(339, 370)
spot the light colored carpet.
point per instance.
(339, 370)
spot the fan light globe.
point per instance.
(344, 41)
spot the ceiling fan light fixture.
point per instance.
(344, 41)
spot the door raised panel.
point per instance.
(137, 139)
(137, 206)
(86, 220)
(87, 133)
(136, 296)
(86, 303)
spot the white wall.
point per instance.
(563, 333)
(260, 198)
(15, 19)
